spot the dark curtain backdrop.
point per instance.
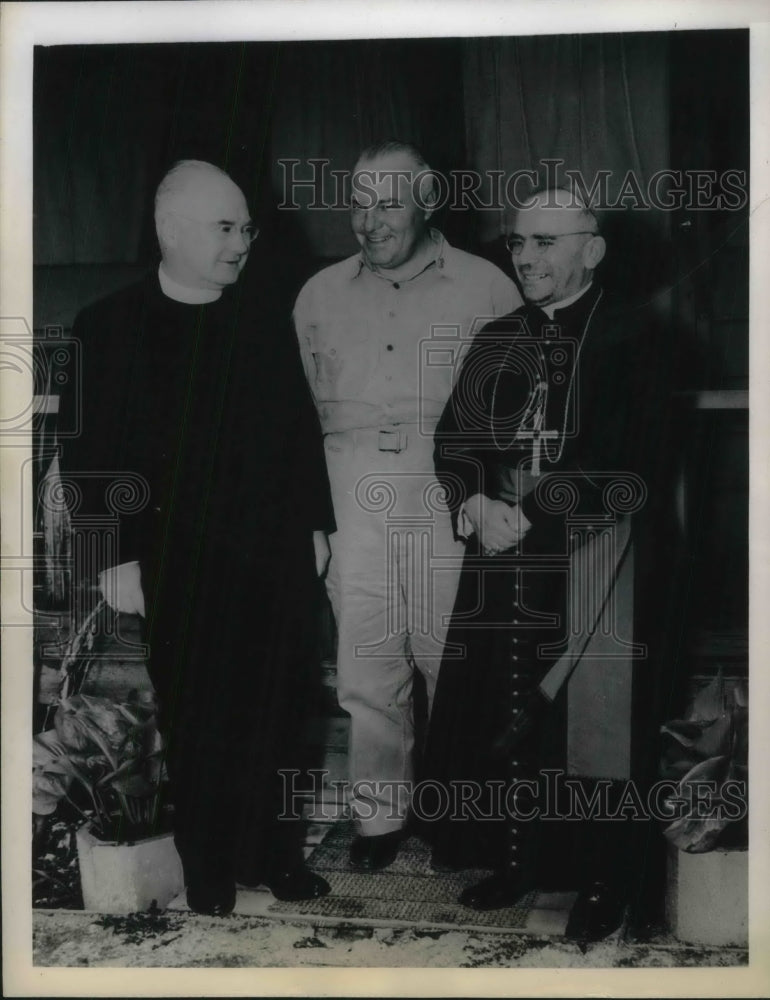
(597, 102)
(110, 119)
(336, 98)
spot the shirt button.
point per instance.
(391, 314)
(396, 285)
(388, 378)
(390, 347)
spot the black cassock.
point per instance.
(591, 392)
(206, 408)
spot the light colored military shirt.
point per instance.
(378, 352)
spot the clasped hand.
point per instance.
(499, 527)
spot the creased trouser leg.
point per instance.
(392, 583)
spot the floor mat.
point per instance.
(409, 890)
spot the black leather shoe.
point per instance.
(211, 899)
(250, 880)
(494, 892)
(371, 854)
(297, 883)
(597, 912)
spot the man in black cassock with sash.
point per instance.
(552, 449)
(199, 432)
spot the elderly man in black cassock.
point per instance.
(192, 384)
(552, 450)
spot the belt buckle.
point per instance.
(394, 441)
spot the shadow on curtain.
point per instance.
(592, 102)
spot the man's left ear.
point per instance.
(593, 252)
(425, 196)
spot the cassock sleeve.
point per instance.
(92, 411)
(309, 480)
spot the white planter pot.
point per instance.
(126, 878)
(707, 897)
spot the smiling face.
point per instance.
(390, 226)
(200, 232)
(554, 249)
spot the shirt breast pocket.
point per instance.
(343, 366)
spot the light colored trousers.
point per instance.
(392, 582)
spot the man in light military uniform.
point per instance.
(362, 326)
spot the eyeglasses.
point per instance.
(224, 230)
(515, 243)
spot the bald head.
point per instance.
(202, 221)
(184, 184)
(555, 246)
(561, 203)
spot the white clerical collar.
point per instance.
(181, 293)
(551, 308)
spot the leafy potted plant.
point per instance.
(709, 749)
(105, 759)
(706, 755)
